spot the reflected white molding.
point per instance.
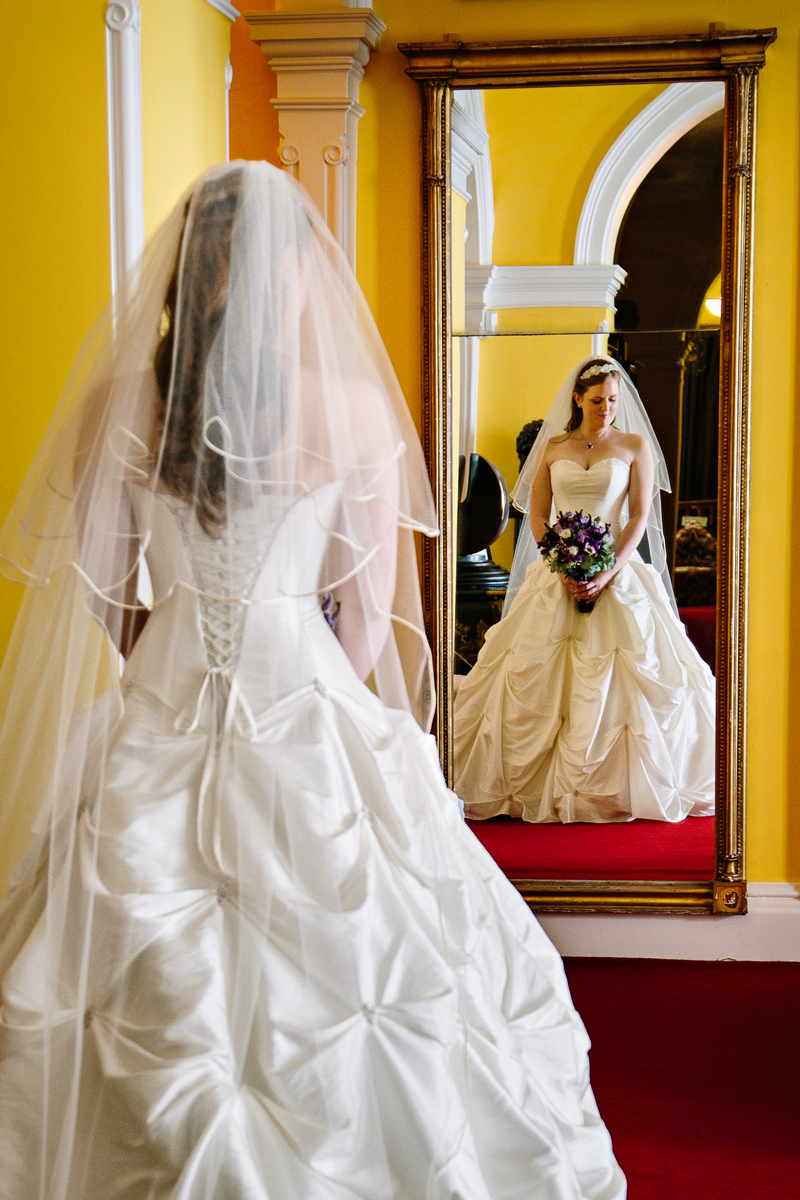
(477, 279)
(589, 286)
(226, 9)
(471, 173)
(600, 339)
(657, 127)
(469, 140)
(319, 59)
(769, 932)
(469, 349)
(480, 201)
(124, 103)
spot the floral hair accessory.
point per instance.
(597, 369)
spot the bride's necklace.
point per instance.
(590, 445)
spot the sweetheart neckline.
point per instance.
(596, 463)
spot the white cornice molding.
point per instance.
(638, 148)
(589, 286)
(124, 103)
(226, 9)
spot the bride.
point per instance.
(252, 950)
(600, 716)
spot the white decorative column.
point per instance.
(228, 82)
(125, 169)
(319, 59)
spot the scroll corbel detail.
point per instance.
(123, 14)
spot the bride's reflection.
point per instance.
(597, 716)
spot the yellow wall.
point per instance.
(54, 205)
(389, 267)
(184, 47)
(54, 222)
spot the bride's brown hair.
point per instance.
(189, 468)
(583, 383)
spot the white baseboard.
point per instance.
(769, 932)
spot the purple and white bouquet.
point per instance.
(580, 546)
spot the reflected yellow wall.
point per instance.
(389, 267)
(519, 377)
(546, 145)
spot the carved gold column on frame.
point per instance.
(741, 103)
(437, 554)
(319, 59)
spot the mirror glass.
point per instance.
(587, 221)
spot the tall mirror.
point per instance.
(588, 222)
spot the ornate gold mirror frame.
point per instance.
(735, 58)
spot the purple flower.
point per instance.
(578, 545)
(330, 608)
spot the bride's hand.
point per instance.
(592, 588)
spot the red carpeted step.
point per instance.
(631, 850)
(701, 626)
(695, 1066)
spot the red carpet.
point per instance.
(633, 850)
(695, 1067)
(701, 626)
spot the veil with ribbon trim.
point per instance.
(238, 361)
(631, 417)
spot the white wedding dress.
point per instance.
(601, 716)
(306, 979)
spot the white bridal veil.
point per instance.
(240, 372)
(251, 949)
(238, 361)
(631, 418)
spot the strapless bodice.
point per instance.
(601, 490)
(243, 606)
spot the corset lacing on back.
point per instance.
(225, 571)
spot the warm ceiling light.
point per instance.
(714, 307)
